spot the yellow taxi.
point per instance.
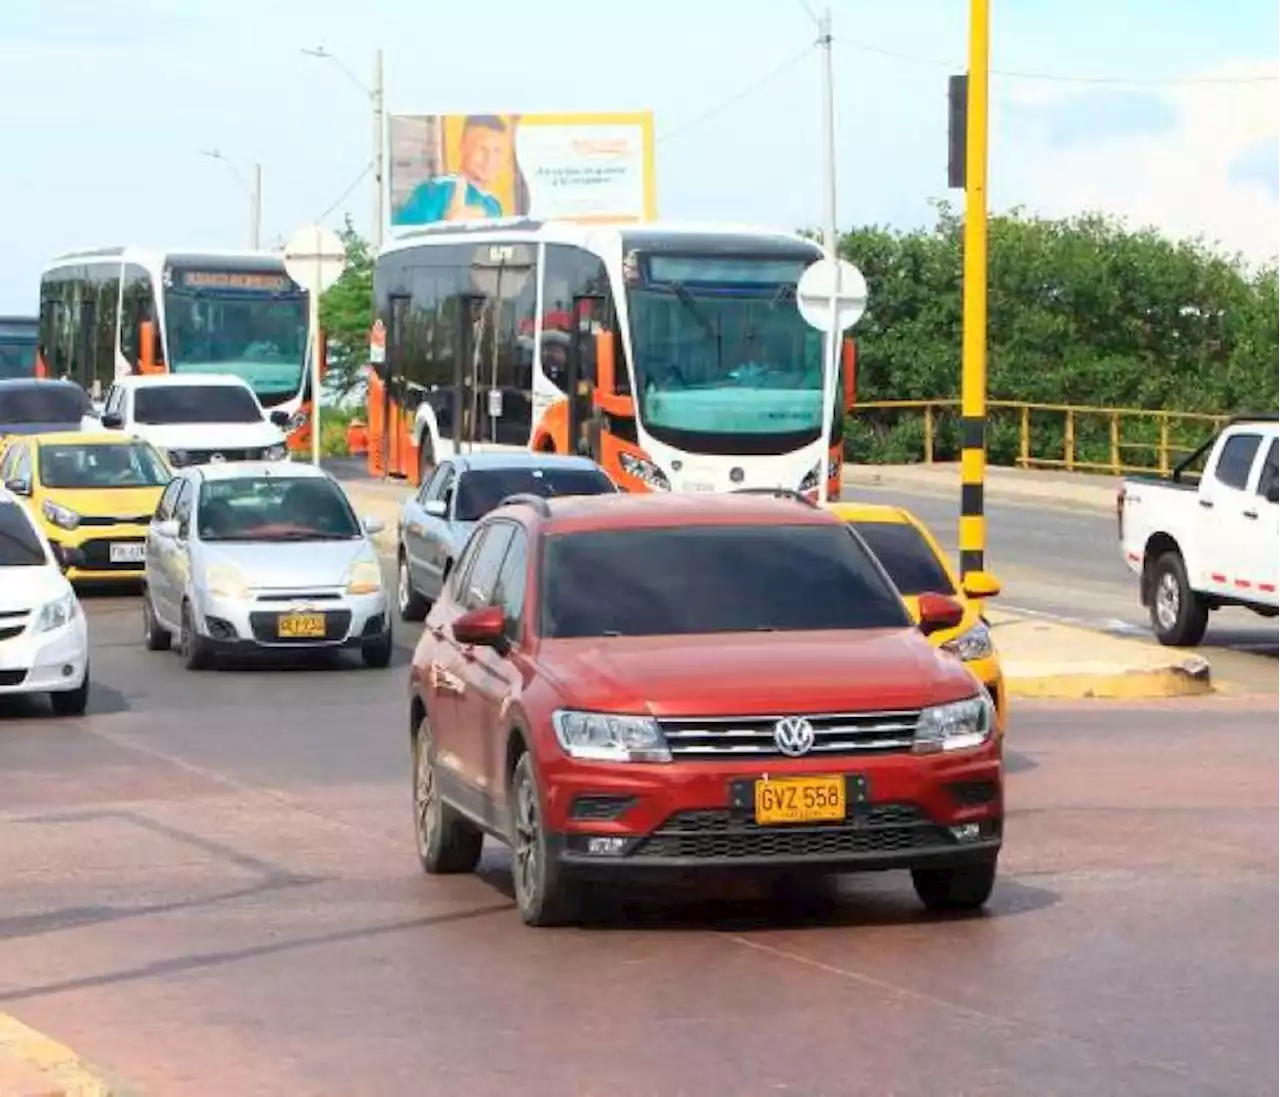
(916, 564)
(95, 492)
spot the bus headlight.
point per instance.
(644, 470)
(810, 481)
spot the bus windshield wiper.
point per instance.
(691, 306)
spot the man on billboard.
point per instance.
(467, 195)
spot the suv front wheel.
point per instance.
(544, 896)
(965, 887)
(447, 843)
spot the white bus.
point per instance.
(692, 367)
(111, 312)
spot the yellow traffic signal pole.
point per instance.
(973, 376)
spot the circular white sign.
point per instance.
(814, 294)
(315, 258)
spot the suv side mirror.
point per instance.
(280, 418)
(981, 584)
(483, 627)
(18, 485)
(112, 420)
(938, 612)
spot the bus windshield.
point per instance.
(251, 325)
(17, 348)
(720, 349)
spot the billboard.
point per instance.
(465, 167)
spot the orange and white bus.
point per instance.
(115, 311)
(674, 355)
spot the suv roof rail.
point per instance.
(777, 493)
(528, 499)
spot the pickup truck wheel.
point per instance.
(1179, 615)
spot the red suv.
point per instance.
(618, 685)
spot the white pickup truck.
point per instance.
(195, 418)
(1203, 541)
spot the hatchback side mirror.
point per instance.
(112, 420)
(938, 612)
(168, 528)
(18, 485)
(437, 508)
(372, 524)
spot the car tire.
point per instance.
(412, 605)
(964, 887)
(196, 653)
(447, 843)
(1179, 616)
(154, 635)
(72, 702)
(545, 896)
(376, 653)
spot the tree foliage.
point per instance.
(346, 314)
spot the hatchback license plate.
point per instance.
(800, 800)
(127, 552)
(300, 626)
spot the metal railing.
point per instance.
(1073, 437)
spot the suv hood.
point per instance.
(745, 674)
(210, 435)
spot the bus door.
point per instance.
(583, 434)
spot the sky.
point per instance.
(1163, 112)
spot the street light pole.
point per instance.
(255, 209)
(831, 243)
(973, 373)
(379, 150)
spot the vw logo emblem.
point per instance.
(794, 735)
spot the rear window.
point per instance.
(19, 545)
(480, 490)
(48, 403)
(912, 565)
(711, 579)
(195, 404)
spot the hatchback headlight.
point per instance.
(974, 643)
(225, 581)
(602, 737)
(60, 516)
(955, 726)
(365, 577)
(56, 614)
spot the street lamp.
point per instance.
(375, 97)
(254, 191)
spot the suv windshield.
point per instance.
(709, 579)
(479, 491)
(51, 402)
(195, 404)
(130, 465)
(912, 565)
(275, 508)
(19, 545)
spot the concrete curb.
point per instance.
(1001, 485)
(33, 1065)
(1190, 677)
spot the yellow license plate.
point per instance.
(300, 626)
(800, 800)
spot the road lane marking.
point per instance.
(47, 1067)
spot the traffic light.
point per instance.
(957, 125)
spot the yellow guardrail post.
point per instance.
(1024, 437)
(1115, 442)
(1164, 444)
(928, 434)
(1069, 442)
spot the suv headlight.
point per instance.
(644, 470)
(602, 737)
(365, 577)
(974, 643)
(276, 453)
(55, 614)
(60, 516)
(958, 725)
(225, 581)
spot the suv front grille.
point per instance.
(204, 456)
(718, 737)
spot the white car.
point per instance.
(262, 557)
(44, 642)
(196, 418)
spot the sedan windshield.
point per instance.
(480, 490)
(275, 508)
(19, 545)
(195, 404)
(710, 579)
(130, 465)
(911, 563)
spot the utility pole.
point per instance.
(255, 209)
(973, 372)
(379, 150)
(831, 243)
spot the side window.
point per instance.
(112, 406)
(483, 575)
(164, 510)
(458, 577)
(22, 464)
(7, 464)
(509, 591)
(182, 508)
(434, 488)
(1270, 478)
(447, 486)
(1235, 461)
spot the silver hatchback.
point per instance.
(262, 556)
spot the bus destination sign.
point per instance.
(241, 280)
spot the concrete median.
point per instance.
(33, 1065)
(1048, 659)
(1035, 487)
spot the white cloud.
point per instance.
(1180, 180)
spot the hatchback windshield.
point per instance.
(51, 402)
(132, 465)
(19, 545)
(275, 508)
(480, 490)
(708, 579)
(195, 404)
(912, 565)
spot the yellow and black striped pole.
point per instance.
(973, 376)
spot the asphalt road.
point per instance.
(208, 885)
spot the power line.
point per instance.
(346, 193)
(1058, 77)
(737, 97)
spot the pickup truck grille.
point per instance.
(721, 737)
(205, 456)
